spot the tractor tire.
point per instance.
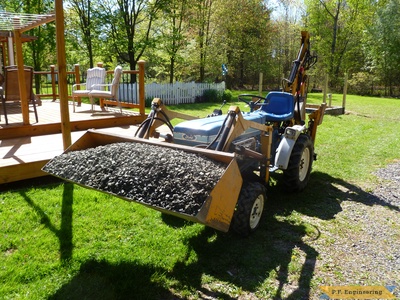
(297, 174)
(249, 208)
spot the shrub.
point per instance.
(212, 96)
(227, 95)
(361, 83)
(147, 101)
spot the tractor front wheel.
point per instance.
(297, 174)
(249, 208)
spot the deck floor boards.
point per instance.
(49, 112)
(22, 157)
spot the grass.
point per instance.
(63, 241)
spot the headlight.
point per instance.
(290, 133)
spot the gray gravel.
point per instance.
(158, 176)
(366, 251)
(389, 190)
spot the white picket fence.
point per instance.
(179, 92)
(174, 93)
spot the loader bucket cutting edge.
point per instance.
(218, 207)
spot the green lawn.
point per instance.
(63, 241)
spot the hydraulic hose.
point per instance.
(221, 144)
(218, 134)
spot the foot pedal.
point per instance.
(273, 169)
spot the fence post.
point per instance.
(141, 64)
(344, 93)
(53, 82)
(325, 88)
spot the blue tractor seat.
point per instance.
(278, 106)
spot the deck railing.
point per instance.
(131, 89)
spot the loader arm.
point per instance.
(234, 126)
(241, 125)
(159, 115)
(315, 119)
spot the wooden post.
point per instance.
(260, 83)
(53, 82)
(77, 75)
(141, 64)
(62, 75)
(78, 80)
(21, 78)
(10, 50)
(344, 93)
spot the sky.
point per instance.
(295, 9)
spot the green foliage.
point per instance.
(382, 43)
(227, 95)
(244, 35)
(215, 96)
(361, 83)
(147, 102)
(337, 29)
(212, 96)
(189, 40)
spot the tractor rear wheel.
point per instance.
(297, 174)
(249, 208)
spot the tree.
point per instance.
(337, 27)
(83, 9)
(285, 39)
(382, 45)
(127, 25)
(173, 31)
(202, 21)
(243, 34)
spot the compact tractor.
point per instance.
(275, 135)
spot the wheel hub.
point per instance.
(304, 164)
(256, 211)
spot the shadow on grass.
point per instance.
(64, 234)
(103, 280)
(277, 260)
(248, 262)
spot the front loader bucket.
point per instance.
(155, 175)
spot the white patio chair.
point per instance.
(95, 76)
(111, 93)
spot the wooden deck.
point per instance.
(24, 149)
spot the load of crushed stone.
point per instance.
(158, 176)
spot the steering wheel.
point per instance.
(252, 104)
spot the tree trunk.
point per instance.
(171, 69)
(334, 36)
